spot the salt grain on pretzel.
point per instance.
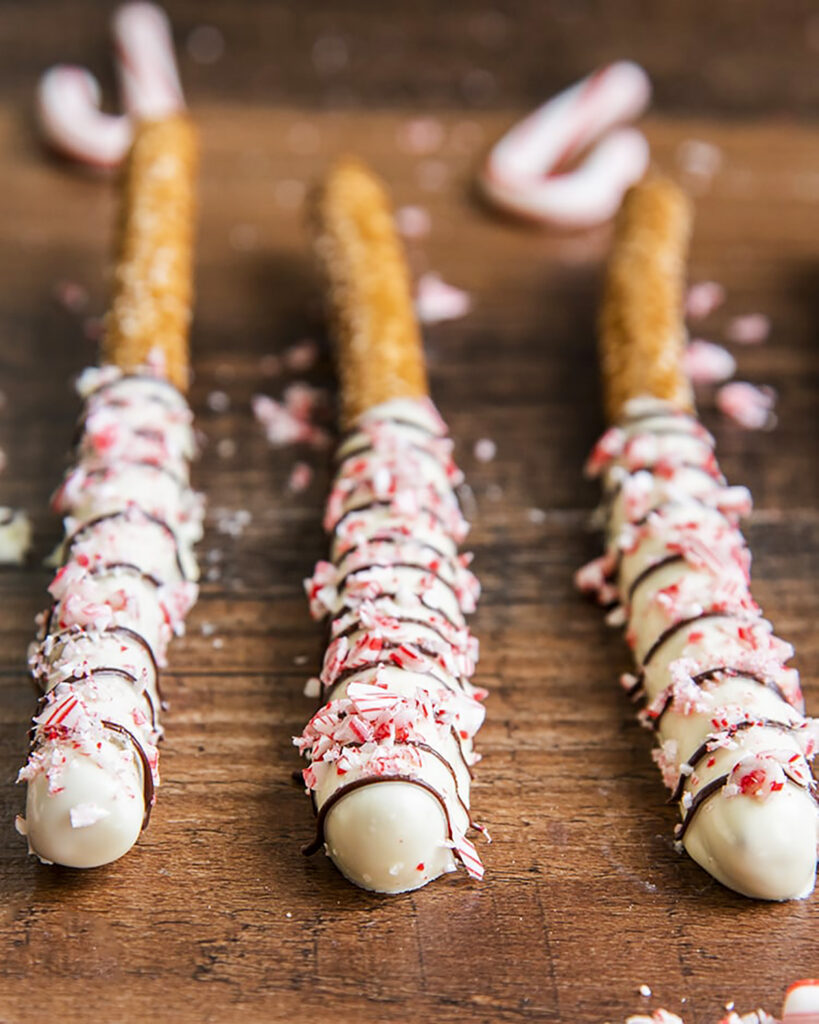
(531, 172)
(128, 573)
(390, 748)
(734, 745)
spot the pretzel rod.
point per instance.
(390, 749)
(378, 343)
(151, 306)
(733, 743)
(128, 572)
(642, 336)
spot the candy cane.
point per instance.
(526, 173)
(68, 101)
(68, 97)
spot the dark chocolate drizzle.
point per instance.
(650, 570)
(111, 670)
(677, 626)
(370, 780)
(713, 673)
(349, 673)
(705, 747)
(368, 506)
(397, 565)
(148, 788)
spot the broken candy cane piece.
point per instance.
(69, 98)
(68, 111)
(747, 405)
(526, 172)
(707, 363)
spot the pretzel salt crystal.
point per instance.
(390, 749)
(734, 745)
(128, 573)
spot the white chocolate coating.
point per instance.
(734, 745)
(391, 748)
(126, 582)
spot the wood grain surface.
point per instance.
(215, 915)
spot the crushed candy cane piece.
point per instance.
(750, 329)
(437, 301)
(707, 363)
(749, 406)
(703, 299)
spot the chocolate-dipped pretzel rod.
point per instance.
(734, 746)
(390, 749)
(128, 571)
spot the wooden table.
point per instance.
(216, 916)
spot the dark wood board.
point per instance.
(215, 915)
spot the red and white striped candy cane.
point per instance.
(146, 62)
(68, 98)
(68, 110)
(526, 174)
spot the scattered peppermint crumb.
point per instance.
(485, 450)
(494, 492)
(85, 815)
(71, 296)
(232, 521)
(420, 136)
(214, 555)
(730, 1005)
(208, 629)
(751, 329)
(288, 914)
(536, 515)
(699, 159)
(226, 448)
(300, 659)
(645, 990)
(213, 574)
(707, 363)
(15, 532)
(301, 356)
(749, 406)
(703, 298)
(218, 401)
(413, 221)
(312, 688)
(300, 477)
(218, 643)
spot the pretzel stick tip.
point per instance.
(150, 311)
(642, 333)
(378, 343)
